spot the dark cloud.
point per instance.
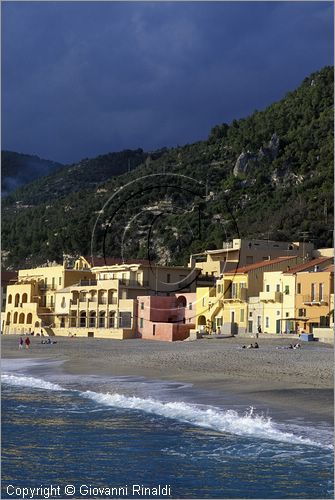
(84, 78)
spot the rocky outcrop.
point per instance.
(243, 162)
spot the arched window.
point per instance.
(24, 298)
(82, 322)
(21, 318)
(10, 298)
(181, 301)
(17, 300)
(111, 322)
(8, 318)
(92, 319)
(15, 317)
(201, 321)
(102, 319)
(29, 319)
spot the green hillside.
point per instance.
(269, 176)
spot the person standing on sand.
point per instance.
(20, 343)
(27, 342)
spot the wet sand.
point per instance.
(297, 382)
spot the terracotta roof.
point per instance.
(306, 266)
(329, 269)
(7, 276)
(112, 261)
(258, 265)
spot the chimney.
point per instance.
(316, 268)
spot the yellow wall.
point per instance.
(278, 297)
(205, 302)
(313, 312)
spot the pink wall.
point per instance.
(165, 317)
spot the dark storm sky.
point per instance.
(84, 78)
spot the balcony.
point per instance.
(238, 296)
(204, 278)
(314, 300)
(87, 282)
(133, 283)
(45, 287)
(271, 297)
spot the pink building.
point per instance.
(166, 318)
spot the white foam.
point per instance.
(32, 382)
(229, 421)
(248, 424)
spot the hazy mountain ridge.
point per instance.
(268, 175)
(19, 169)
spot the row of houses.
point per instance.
(248, 285)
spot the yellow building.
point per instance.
(207, 305)
(236, 287)
(279, 297)
(243, 252)
(314, 292)
(30, 305)
(106, 307)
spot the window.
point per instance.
(242, 315)
(142, 305)
(298, 288)
(313, 291)
(267, 288)
(60, 281)
(53, 283)
(190, 306)
(278, 313)
(321, 291)
(141, 322)
(203, 301)
(286, 314)
(277, 288)
(250, 314)
(287, 290)
(302, 312)
(267, 322)
(219, 288)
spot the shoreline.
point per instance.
(290, 382)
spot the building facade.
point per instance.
(30, 306)
(243, 252)
(166, 318)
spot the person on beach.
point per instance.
(27, 342)
(250, 346)
(256, 346)
(259, 330)
(20, 343)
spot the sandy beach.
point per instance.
(300, 381)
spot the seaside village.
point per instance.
(246, 288)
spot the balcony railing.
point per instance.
(87, 282)
(314, 299)
(43, 286)
(133, 283)
(203, 277)
(240, 295)
(271, 297)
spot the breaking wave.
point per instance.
(32, 382)
(229, 421)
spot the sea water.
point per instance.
(96, 433)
